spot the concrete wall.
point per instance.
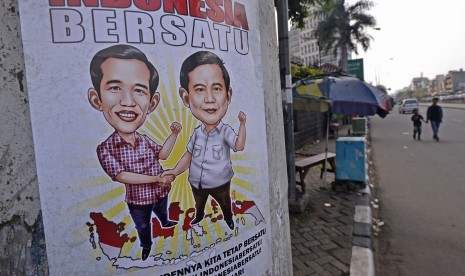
(281, 239)
(21, 229)
(23, 250)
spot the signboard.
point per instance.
(355, 68)
(149, 132)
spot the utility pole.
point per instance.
(286, 89)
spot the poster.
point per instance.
(149, 134)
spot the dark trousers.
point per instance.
(142, 217)
(417, 130)
(221, 194)
(435, 127)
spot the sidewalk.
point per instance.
(321, 236)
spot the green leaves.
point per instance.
(344, 27)
(298, 10)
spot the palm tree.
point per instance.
(344, 27)
(298, 10)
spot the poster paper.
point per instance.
(121, 138)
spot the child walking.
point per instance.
(416, 119)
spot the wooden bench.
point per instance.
(302, 166)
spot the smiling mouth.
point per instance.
(127, 116)
(210, 110)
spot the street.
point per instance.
(421, 190)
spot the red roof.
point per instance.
(331, 68)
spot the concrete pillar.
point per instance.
(21, 229)
(23, 250)
(282, 258)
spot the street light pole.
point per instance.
(286, 82)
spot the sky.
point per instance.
(416, 37)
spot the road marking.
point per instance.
(457, 121)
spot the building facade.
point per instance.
(455, 81)
(304, 44)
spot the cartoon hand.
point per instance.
(166, 172)
(242, 117)
(166, 179)
(176, 127)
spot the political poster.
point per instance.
(149, 133)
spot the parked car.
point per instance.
(408, 105)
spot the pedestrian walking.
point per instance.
(434, 114)
(417, 119)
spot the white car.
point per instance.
(408, 105)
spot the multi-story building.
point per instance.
(304, 45)
(439, 86)
(420, 83)
(455, 81)
(294, 47)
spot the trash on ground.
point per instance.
(378, 222)
(327, 204)
(377, 226)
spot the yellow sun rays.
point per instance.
(93, 202)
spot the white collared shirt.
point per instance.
(211, 156)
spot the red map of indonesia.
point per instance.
(111, 239)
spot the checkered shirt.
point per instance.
(116, 155)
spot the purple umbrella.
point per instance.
(352, 96)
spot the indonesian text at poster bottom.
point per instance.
(229, 262)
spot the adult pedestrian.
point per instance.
(434, 114)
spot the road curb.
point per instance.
(362, 261)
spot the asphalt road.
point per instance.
(421, 190)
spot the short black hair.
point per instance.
(201, 58)
(121, 51)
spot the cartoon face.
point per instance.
(207, 97)
(124, 94)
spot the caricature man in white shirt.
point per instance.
(205, 90)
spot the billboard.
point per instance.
(355, 68)
(149, 126)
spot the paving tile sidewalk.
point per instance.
(321, 236)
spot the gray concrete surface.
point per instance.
(333, 236)
(21, 230)
(277, 175)
(421, 196)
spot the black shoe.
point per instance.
(414, 137)
(169, 224)
(197, 220)
(230, 224)
(145, 253)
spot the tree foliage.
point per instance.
(344, 27)
(382, 88)
(299, 10)
(300, 72)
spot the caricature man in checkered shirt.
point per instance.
(125, 84)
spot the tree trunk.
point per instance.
(343, 60)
